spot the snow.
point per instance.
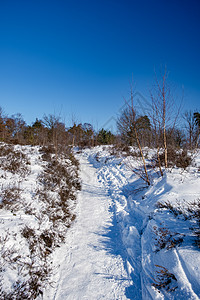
(26, 222)
(87, 268)
(124, 233)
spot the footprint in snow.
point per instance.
(159, 191)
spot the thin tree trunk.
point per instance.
(164, 122)
(73, 139)
(196, 146)
(141, 152)
(165, 146)
(159, 162)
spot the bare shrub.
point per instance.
(73, 160)
(47, 151)
(197, 235)
(180, 159)
(48, 239)
(13, 161)
(175, 210)
(35, 269)
(10, 198)
(123, 149)
(166, 239)
(30, 288)
(192, 212)
(58, 174)
(42, 243)
(164, 280)
(58, 184)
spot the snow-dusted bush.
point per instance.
(166, 239)
(10, 198)
(190, 212)
(13, 160)
(164, 279)
(38, 209)
(180, 159)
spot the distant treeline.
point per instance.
(51, 130)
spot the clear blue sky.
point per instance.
(78, 57)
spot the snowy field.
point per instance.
(128, 240)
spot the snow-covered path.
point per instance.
(128, 241)
(88, 268)
(112, 249)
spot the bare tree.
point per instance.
(2, 125)
(56, 131)
(127, 124)
(197, 122)
(190, 128)
(164, 113)
(156, 123)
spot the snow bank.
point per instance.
(156, 224)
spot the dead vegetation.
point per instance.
(10, 198)
(30, 258)
(179, 159)
(13, 161)
(164, 280)
(33, 271)
(166, 239)
(190, 212)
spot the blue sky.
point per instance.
(77, 58)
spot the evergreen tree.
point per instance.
(105, 137)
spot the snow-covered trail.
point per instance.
(111, 250)
(87, 266)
